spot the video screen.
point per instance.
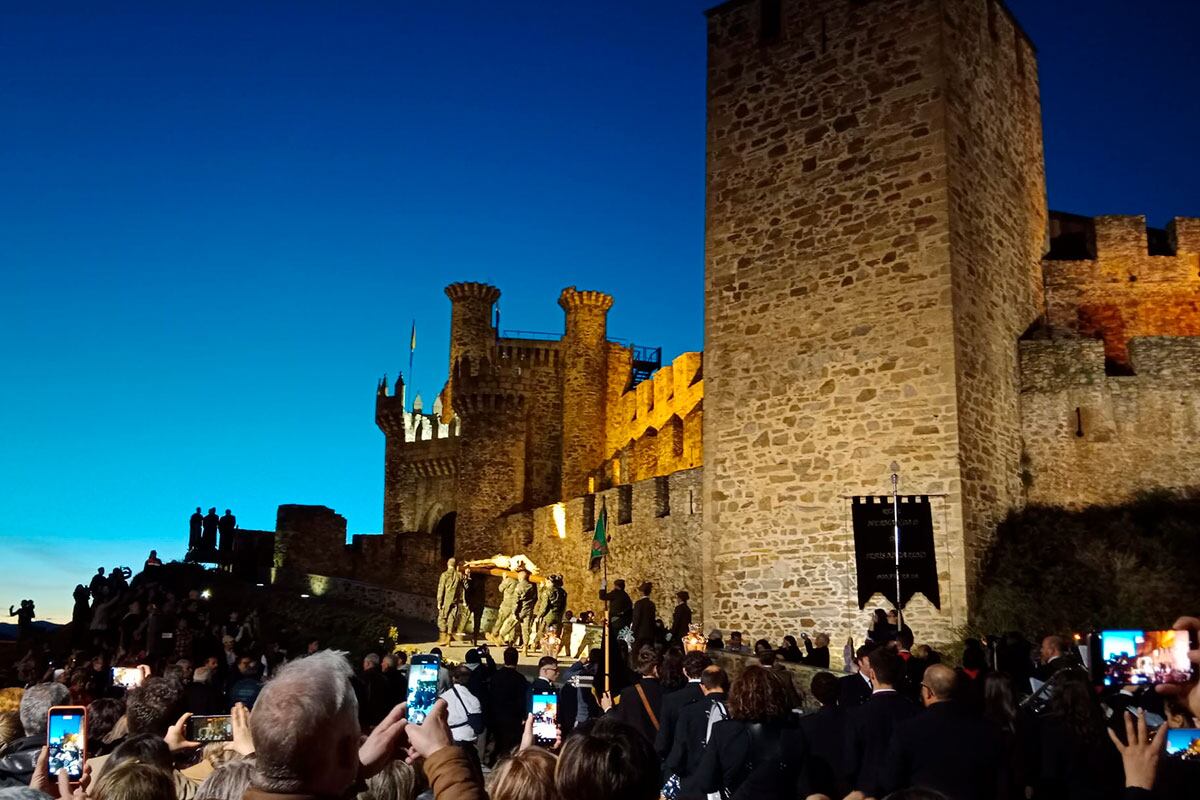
(1184, 743)
(545, 718)
(65, 739)
(1135, 658)
(422, 690)
(129, 677)
(211, 729)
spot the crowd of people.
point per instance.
(643, 720)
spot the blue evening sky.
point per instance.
(218, 220)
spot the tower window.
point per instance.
(770, 25)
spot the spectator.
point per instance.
(152, 560)
(526, 775)
(463, 712)
(948, 748)
(245, 689)
(855, 689)
(644, 615)
(608, 761)
(154, 706)
(578, 703)
(757, 752)
(397, 781)
(20, 756)
(508, 690)
(374, 693)
(99, 586)
(134, 780)
(144, 747)
(1075, 758)
(869, 727)
(202, 696)
(735, 643)
(102, 717)
(816, 651)
(547, 674)
(674, 702)
(230, 780)
(1053, 657)
(639, 705)
(395, 677)
(790, 651)
(824, 735)
(10, 728)
(695, 724)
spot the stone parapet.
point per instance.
(1050, 364)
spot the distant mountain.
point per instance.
(8, 630)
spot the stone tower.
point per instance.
(875, 218)
(472, 331)
(584, 386)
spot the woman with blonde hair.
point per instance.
(527, 775)
(397, 781)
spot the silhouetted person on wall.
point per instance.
(153, 560)
(99, 585)
(208, 538)
(227, 525)
(24, 616)
(195, 530)
(116, 581)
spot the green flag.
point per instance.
(600, 538)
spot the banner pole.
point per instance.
(896, 538)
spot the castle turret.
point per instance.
(584, 382)
(472, 332)
(490, 400)
(390, 418)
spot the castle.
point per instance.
(883, 283)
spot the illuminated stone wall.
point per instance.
(1095, 438)
(1120, 290)
(865, 287)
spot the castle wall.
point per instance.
(842, 309)
(656, 408)
(1123, 291)
(658, 543)
(997, 206)
(1092, 438)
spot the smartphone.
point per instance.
(129, 677)
(545, 719)
(1143, 658)
(215, 728)
(1183, 743)
(422, 686)
(66, 739)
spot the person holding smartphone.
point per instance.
(16, 766)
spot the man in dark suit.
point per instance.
(640, 705)
(507, 704)
(694, 665)
(644, 615)
(869, 727)
(620, 607)
(855, 689)
(816, 655)
(547, 675)
(824, 734)
(1054, 657)
(691, 730)
(947, 749)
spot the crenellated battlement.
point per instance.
(469, 290)
(572, 298)
(499, 381)
(402, 425)
(1057, 365)
(675, 390)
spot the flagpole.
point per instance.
(607, 627)
(412, 348)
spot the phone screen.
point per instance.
(545, 718)
(1183, 743)
(216, 728)
(1140, 658)
(129, 677)
(422, 687)
(66, 735)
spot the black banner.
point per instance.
(874, 549)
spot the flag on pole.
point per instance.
(600, 538)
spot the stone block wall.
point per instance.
(1122, 291)
(658, 544)
(1096, 438)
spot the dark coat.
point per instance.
(947, 749)
(644, 615)
(868, 736)
(507, 708)
(816, 656)
(18, 759)
(674, 703)
(681, 620)
(569, 698)
(691, 730)
(620, 607)
(1073, 768)
(824, 734)
(205, 699)
(750, 760)
(853, 690)
(630, 709)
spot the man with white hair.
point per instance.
(16, 767)
(306, 737)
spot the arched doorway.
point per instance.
(444, 530)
